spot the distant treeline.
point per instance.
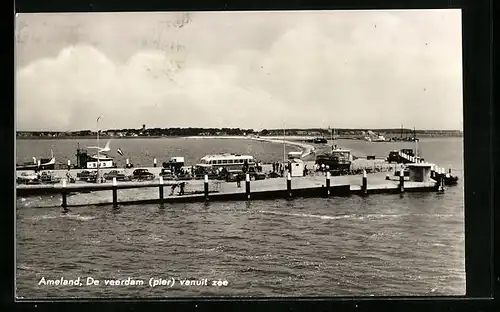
(180, 132)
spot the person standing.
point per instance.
(238, 180)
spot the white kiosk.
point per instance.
(297, 167)
(420, 172)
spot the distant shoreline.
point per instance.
(104, 137)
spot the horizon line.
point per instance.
(254, 130)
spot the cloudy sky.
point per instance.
(345, 69)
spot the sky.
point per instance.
(260, 70)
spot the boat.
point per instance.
(86, 161)
(320, 141)
(40, 164)
(394, 156)
(338, 161)
(371, 136)
(45, 164)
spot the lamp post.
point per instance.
(98, 163)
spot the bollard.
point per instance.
(401, 180)
(161, 190)
(328, 183)
(441, 180)
(69, 164)
(365, 183)
(115, 195)
(206, 187)
(289, 185)
(64, 201)
(154, 162)
(247, 184)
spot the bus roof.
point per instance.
(226, 156)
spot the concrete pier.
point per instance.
(213, 190)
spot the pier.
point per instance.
(367, 176)
(157, 192)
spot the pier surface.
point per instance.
(82, 193)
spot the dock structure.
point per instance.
(367, 176)
(130, 193)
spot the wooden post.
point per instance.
(328, 183)
(161, 190)
(69, 164)
(365, 183)
(289, 185)
(401, 180)
(247, 184)
(115, 195)
(64, 201)
(206, 187)
(441, 180)
(154, 162)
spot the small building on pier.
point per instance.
(420, 172)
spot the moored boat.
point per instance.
(338, 161)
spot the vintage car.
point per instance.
(142, 174)
(120, 176)
(83, 174)
(167, 174)
(28, 178)
(49, 178)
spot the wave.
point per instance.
(68, 216)
(305, 215)
(78, 217)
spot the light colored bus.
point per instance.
(225, 161)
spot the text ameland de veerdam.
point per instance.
(129, 281)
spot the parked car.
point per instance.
(142, 174)
(120, 176)
(28, 178)
(83, 174)
(234, 175)
(167, 174)
(49, 178)
(256, 174)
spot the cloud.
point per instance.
(380, 70)
(81, 83)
